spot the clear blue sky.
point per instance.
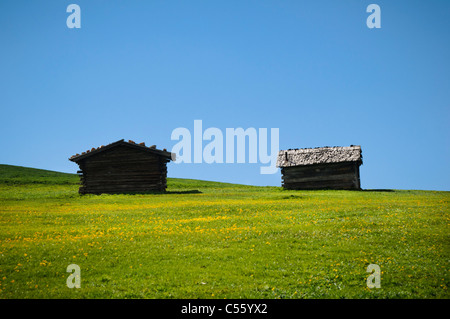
(139, 69)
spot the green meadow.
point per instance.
(215, 240)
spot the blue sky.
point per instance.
(139, 69)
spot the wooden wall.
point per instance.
(123, 169)
(322, 176)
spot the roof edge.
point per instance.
(152, 149)
(319, 155)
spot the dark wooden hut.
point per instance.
(321, 168)
(122, 167)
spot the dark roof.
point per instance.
(319, 155)
(141, 146)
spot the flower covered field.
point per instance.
(214, 240)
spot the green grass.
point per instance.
(13, 175)
(216, 240)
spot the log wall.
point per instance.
(322, 176)
(123, 170)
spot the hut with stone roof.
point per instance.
(321, 168)
(122, 167)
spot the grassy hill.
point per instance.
(10, 174)
(216, 240)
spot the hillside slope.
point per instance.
(215, 240)
(11, 174)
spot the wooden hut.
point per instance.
(321, 168)
(122, 167)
